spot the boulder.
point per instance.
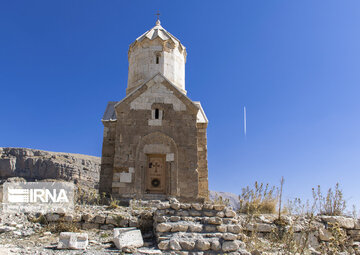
(344, 222)
(73, 241)
(127, 238)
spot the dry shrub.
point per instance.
(221, 201)
(58, 227)
(332, 204)
(261, 199)
(89, 196)
(338, 243)
(114, 203)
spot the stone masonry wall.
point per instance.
(107, 159)
(206, 228)
(178, 123)
(197, 228)
(202, 160)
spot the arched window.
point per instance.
(157, 59)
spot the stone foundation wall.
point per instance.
(202, 160)
(197, 227)
(180, 228)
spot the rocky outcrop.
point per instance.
(32, 165)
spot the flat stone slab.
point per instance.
(73, 241)
(127, 238)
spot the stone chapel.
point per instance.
(154, 144)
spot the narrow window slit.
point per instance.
(156, 114)
(157, 59)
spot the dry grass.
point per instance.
(332, 203)
(260, 199)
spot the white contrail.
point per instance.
(244, 120)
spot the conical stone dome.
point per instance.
(156, 51)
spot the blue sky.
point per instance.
(293, 64)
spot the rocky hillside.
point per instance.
(34, 165)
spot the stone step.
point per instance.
(188, 212)
(199, 243)
(185, 226)
(201, 219)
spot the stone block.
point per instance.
(125, 177)
(208, 206)
(183, 213)
(235, 229)
(214, 221)
(197, 206)
(354, 234)
(221, 228)
(219, 207)
(195, 213)
(210, 228)
(195, 228)
(203, 245)
(89, 225)
(99, 219)
(73, 241)
(170, 157)
(185, 206)
(215, 245)
(127, 238)
(229, 236)
(159, 219)
(175, 218)
(87, 218)
(187, 244)
(324, 234)
(179, 227)
(175, 206)
(209, 213)
(174, 245)
(260, 227)
(344, 222)
(162, 206)
(163, 227)
(220, 214)
(52, 217)
(229, 246)
(164, 245)
(230, 213)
